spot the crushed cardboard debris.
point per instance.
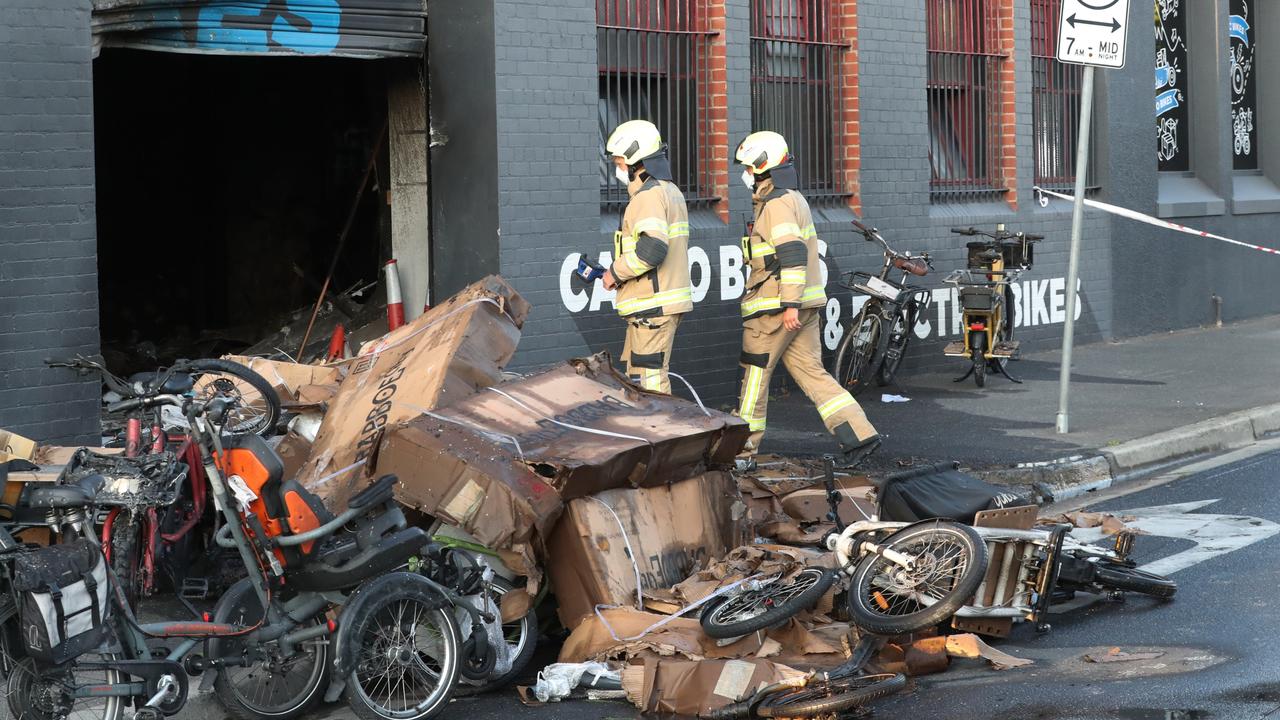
(15, 447)
(1110, 524)
(585, 428)
(604, 544)
(457, 348)
(693, 688)
(972, 646)
(1115, 654)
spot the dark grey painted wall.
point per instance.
(1164, 279)
(548, 170)
(48, 268)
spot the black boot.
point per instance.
(854, 450)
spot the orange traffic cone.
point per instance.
(395, 302)
(337, 344)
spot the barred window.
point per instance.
(653, 66)
(1055, 103)
(796, 87)
(964, 100)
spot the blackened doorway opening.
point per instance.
(222, 186)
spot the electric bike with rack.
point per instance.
(986, 300)
(874, 344)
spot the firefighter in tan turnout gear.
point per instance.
(651, 253)
(781, 304)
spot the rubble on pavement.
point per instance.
(623, 501)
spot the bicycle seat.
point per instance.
(175, 384)
(915, 266)
(77, 495)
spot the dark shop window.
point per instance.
(653, 66)
(796, 74)
(1173, 135)
(1244, 86)
(1055, 103)
(964, 99)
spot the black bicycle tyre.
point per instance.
(713, 626)
(977, 351)
(823, 697)
(853, 376)
(1121, 577)
(390, 589)
(527, 626)
(860, 588)
(126, 554)
(889, 364)
(266, 426)
(313, 690)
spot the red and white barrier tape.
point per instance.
(1134, 215)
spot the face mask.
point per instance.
(623, 175)
(748, 179)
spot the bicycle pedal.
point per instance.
(194, 588)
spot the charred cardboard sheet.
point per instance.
(585, 428)
(464, 479)
(694, 688)
(663, 534)
(445, 355)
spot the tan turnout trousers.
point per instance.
(765, 342)
(647, 351)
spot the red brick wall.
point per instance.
(846, 13)
(714, 131)
(1007, 118)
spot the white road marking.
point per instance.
(1213, 535)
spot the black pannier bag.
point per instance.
(62, 595)
(941, 491)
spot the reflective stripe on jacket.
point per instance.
(782, 252)
(651, 252)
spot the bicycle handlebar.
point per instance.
(965, 231)
(140, 402)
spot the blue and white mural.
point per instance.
(1171, 86)
(1244, 94)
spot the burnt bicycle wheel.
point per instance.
(823, 697)
(746, 612)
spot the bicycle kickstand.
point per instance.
(1001, 369)
(965, 376)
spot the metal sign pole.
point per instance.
(1073, 266)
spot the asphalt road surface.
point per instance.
(1219, 639)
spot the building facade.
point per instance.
(914, 116)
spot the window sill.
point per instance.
(1186, 196)
(1253, 193)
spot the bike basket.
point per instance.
(977, 298)
(872, 285)
(62, 594)
(1018, 253)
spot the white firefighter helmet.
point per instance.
(634, 140)
(763, 151)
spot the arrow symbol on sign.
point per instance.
(1114, 24)
(1213, 535)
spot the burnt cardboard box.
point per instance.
(585, 428)
(671, 530)
(445, 355)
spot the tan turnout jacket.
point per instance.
(651, 251)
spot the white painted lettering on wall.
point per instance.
(1038, 301)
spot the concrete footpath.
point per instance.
(1135, 404)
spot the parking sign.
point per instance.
(1092, 32)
